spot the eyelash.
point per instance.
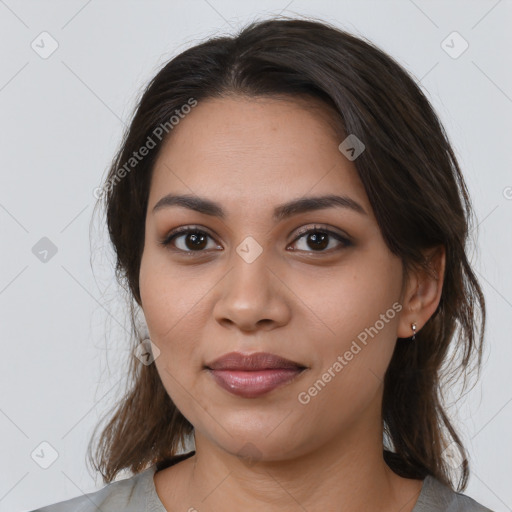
(166, 242)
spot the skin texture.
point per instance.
(307, 305)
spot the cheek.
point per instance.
(359, 321)
(173, 305)
(169, 299)
(370, 323)
(349, 301)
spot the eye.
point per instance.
(318, 238)
(194, 240)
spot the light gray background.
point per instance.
(63, 326)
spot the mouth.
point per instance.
(253, 375)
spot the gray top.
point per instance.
(138, 494)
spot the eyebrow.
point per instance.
(294, 207)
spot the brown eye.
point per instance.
(190, 239)
(317, 239)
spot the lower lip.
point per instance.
(250, 384)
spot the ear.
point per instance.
(422, 293)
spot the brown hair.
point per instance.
(413, 183)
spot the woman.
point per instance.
(291, 220)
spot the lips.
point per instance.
(252, 375)
(248, 362)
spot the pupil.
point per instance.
(319, 240)
(197, 240)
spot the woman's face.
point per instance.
(253, 282)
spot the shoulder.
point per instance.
(130, 495)
(435, 496)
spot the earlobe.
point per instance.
(423, 293)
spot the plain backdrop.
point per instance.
(64, 329)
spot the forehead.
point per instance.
(255, 151)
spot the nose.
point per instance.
(253, 296)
